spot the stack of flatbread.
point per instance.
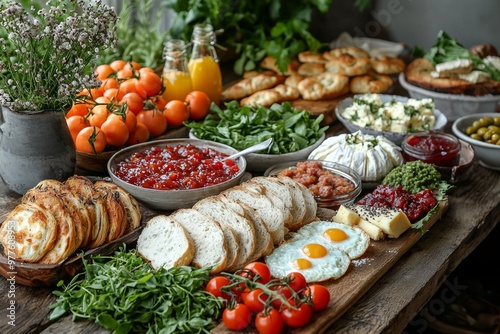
(54, 219)
(316, 76)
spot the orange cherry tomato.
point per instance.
(148, 84)
(103, 71)
(90, 140)
(98, 115)
(75, 124)
(129, 118)
(111, 94)
(134, 102)
(139, 135)
(132, 65)
(80, 109)
(154, 121)
(117, 65)
(127, 86)
(198, 104)
(176, 113)
(116, 131)
(109, 83)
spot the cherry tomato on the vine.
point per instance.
(320, 296)
(283, 291)
(236, 318)
(215, 284)
(261, 269)
(254, 299)
(296, 317)
(297, 281)
(269, 322)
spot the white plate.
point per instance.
(395, 137)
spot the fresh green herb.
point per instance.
(254, 29)
(140, 37)
(290, 128)
(447, 49)
(442, 189)
(123, 294)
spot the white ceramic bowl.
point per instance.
(452, 105)
(487, 154)
(171, 200)
(395, 137)
(257, 162)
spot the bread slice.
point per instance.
(165, 243)
(117, 217)
(273, 217)
(264, 242)
(242, 227)
(311, 207)
(210, 246)
(34, 230)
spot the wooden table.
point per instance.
(389, 305)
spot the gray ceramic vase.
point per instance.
(34, 146)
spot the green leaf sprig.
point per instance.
(442, 189)
(242, 127)
(122, 293)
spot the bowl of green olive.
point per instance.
(482, 131)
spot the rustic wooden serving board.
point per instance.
(362, 274)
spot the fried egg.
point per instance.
(313, 259)
(351, 239)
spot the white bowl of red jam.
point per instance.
(171, 174)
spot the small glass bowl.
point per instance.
(332, 202)
(433, 147)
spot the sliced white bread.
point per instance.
(242, 227)
(264, 242)
(310, 203)
(273, 196)
(208, 238)
(273, 217)
(165, 243)
(299, 202)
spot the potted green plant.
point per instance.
(46, 57)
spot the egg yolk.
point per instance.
(314, 250)
(301, 264)
(335, 234)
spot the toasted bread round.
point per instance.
(117, 217)
(28, 233)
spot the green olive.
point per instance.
(497, 121)
(487, 135)
(470, 130)
(487, 120)
(498, 142)
(481, 131)
(495, 137)
(494, 128)
(476, 136)
(477, 124)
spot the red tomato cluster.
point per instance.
(127, 108)
(252, 297)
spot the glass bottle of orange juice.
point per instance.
(176, 77)
(203, 64)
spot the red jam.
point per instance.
(181, 167)
(414, 206)
(433, 147)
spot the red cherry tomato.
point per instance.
(299, 317)
(297, 281)
(320, 296)
(285, 292)
(269, 322)
(261, 269)
(215, 284)
(236, 318)
(255, 299)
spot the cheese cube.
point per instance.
(392, 222)
(346, 216)
(373, 231)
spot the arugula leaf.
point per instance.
(442, 189)
(123, 294)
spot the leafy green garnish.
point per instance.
(123, 294)
(448, 49)
(242, 127)
(442, 189)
